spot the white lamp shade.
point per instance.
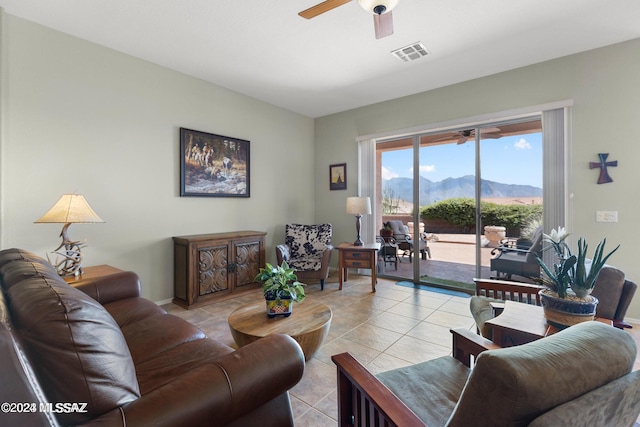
(71, 208)
(358, 205)
(369, 5)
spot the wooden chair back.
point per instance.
(508, 291)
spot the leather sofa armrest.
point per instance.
(113, 287)
(224, 390)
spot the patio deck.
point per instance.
(452, 258)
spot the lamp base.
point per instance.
(358, 242)
(70, 251)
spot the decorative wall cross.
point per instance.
(603, 164)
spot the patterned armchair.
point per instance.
(307, 249)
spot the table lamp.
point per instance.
(71, 208)
(358, 206)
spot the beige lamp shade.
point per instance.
(71, 208)
(358, 205)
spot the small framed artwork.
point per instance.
(338, 177)
(213, 165)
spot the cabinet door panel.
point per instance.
(248, 262)
(212, 270)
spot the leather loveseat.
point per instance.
(99, 354)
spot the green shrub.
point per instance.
(462, 212)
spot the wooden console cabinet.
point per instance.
(211, 267)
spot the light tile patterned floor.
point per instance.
(393, 327)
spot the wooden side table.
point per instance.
(308, 324)
(520, 323)
(357, 257)
(92, 273)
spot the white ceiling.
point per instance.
(333, 62)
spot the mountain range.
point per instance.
(430, 191)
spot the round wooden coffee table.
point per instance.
(308, 324)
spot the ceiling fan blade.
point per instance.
(321, 8)
(383, 24)
(489, 130)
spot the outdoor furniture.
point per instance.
(511, 260)
(307, 249)
(388, 252)
(404, 239)
(553, 381)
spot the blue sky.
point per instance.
(508, 160)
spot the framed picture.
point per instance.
(213, 165)
(338, 177)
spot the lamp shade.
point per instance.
(71, 208)
(370, 5)
(358, 205)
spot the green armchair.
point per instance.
(579, 376)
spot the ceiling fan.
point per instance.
(465, 135)
(381, 9)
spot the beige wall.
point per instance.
(604, 85)
(80, 117)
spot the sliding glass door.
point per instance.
(444, 188)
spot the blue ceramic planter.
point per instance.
(278, 306)
(563, 312)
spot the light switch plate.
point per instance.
(606, 216)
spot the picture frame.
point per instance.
(338, 176)
(213, 165)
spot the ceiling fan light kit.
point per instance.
(378, 7)
(381, 10)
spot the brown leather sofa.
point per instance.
(99, 354)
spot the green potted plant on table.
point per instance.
(281, 288)
(567, 299)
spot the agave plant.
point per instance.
(571, 271)
(280, 281)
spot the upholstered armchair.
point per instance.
(579, 376)
(307, 249)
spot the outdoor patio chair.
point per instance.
(568, 378)
(405, 240)
(388, 252)
(511, 260)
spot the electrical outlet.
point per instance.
(606, 216)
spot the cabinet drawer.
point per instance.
(357, 263)
(357, 255)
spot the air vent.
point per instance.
(411, 53)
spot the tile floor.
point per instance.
(393, 327)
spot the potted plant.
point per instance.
(567, 299)
(281, 288)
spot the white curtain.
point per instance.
(366, 186)
(554, 171)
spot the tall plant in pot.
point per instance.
(567, 299)
(281, 288)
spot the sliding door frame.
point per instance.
(556, 141)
